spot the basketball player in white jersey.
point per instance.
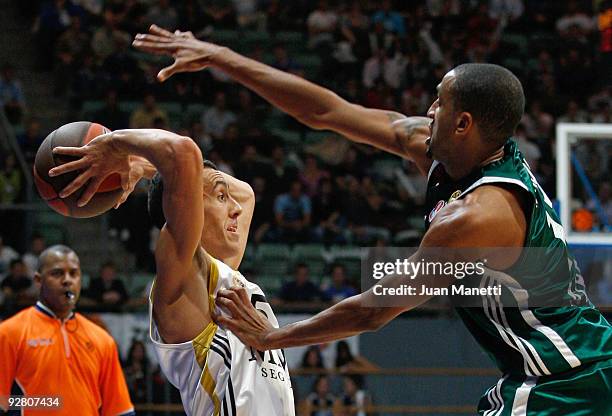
(203, 214)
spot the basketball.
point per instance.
(75, 135)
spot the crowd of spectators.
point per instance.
(387, 54)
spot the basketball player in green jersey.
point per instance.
(480, 195)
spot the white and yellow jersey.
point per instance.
(216, 373)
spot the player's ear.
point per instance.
(464, 123)
(37, 278)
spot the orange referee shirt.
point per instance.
(74, 359)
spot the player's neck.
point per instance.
(465, 165)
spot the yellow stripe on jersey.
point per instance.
(209, 385)
(201, 343)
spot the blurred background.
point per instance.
(63, 61)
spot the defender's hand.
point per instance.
(249, 325)
(97, 160)
(189, 53)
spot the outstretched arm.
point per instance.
(463, 231)
(317, 107)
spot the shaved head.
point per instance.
(52, 253)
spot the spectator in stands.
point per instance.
(354, 25)
(16, 284)
(538, 123)
(71, 46)
(217, 158)
(415, 99)
(507, 10)
(263, 217)
(11, 181)
(198, 133)
(354, 399)
(530, 150)
(573, 114)
(326, 214)
(320, 401)
(293, 211)
(574, 19)
(218, 117)
(251, 166)
(346, 362)
(321, 24)
(30, 140)
(144, 116)
(137, 370)
(300, 289)
(283, 174)
(391, 20)
(7, 255)
(30, 258)
(311, 175)
(111, 115)
(602, 113)
(339, 287)
(220, 13)
(54, 17)
(108, 39)
(12, 99)
(163, 14)
(312, 358)
(604, 23)
(108, 289)
(282, 60)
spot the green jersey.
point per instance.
(521, 336)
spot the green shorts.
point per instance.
(586, 391)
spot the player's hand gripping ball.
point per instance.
(73, 135)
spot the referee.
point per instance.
(64, 363)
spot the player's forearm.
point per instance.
(307, 102)
(342, 320)
(166, 151)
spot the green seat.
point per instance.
(290, 39)
(310, 62)
(308, 251)
(255, 38)
(290, 137)
(51, 226)
(271, 284)
(386, 167)
(273, 251)
(315, 137)
(129, 106)
(272, 267)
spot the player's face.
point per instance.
(443, 120)
(220, 235)
(60, 273)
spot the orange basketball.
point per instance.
(75, 135)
